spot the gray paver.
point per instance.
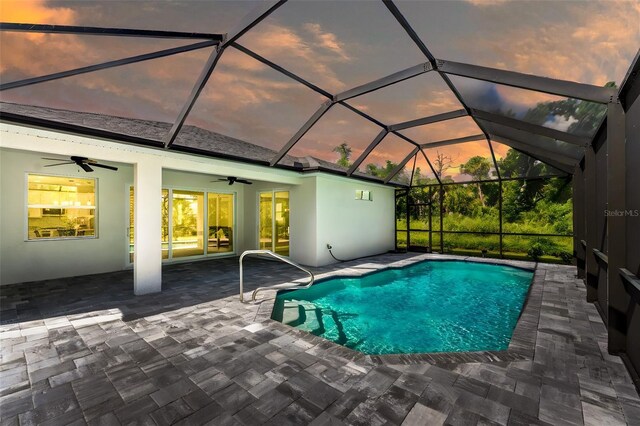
(194, 354)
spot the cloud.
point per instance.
(19, 49)
(593, 44)
(326, 40)
(286, 47)
(450, 129)
(558, 122)
(35, 12)
(482, 3)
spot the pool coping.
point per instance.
(521, 346)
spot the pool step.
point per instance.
(296, 313)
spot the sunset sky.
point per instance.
(335, 45)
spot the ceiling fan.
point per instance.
(233, 179)
(83, 162)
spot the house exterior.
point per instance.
(165, 206)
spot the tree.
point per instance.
(345, 153)
(381, 172)
(442, 163)
(478, 168)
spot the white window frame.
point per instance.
(75, 237)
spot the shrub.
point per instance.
(535, 251)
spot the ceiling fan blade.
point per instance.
(54, 159)
(59, 164)
(104, 166)
(85, 167)
(246, 182)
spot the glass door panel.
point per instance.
(131, 228)
(187, 225)
(164, 227)
(265, 236)
(281, 223)
(165, 224)
(274, 222)
(220, 211)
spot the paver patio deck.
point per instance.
(85, 350)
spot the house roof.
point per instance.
(191, 139)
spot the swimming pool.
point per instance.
(431, 306)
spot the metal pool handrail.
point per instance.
(280, 258)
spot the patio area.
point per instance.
(85, 350)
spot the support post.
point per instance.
(591, 223)
(578, 220)
(441, 218)
(147, 258)
(408, 218)
(618, 299)
(430, 218)
(500, 217)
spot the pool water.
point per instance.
(431, 306)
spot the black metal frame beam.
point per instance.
(401, 165)
(410, 31)
(446, 142)
(559, 162)
(617, 297)
(379, 137)
(106, 65)
(384, 82)
(253, 18)
(571, 151)
(102, 31)
(428, 120)
(443, 67)
(282, 70)
(301, 132)
(432, 60)
(569, 89)
(433, 170)
(506, 179)
(535, 129)
(591, 222)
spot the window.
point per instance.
(363, 195)
(60, 207)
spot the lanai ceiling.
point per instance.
(400, 83)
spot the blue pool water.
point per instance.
(432, 306)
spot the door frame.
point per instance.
(170, 189)
(273, 216)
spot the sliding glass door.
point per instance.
(187, 223)
(220, 207)
(187, 216)
(265, 237)
(273, 227)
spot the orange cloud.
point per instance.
(35, 12)
(593, 45)
(337, 126)
(19, 49)
(286, 47)
(485, 2)
(450, 129)
(327, 40)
